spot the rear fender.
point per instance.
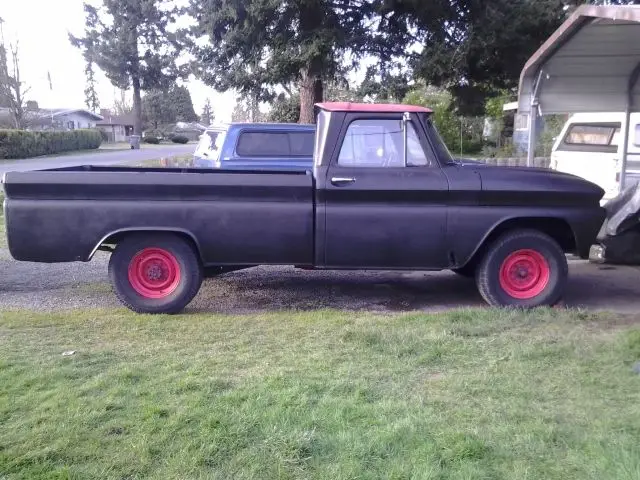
(115, 236)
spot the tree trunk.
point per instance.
(310, 94)
(137, 107)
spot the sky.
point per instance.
(41, 27)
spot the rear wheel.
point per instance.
(157, 273)
(524, 268)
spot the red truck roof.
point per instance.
(371, 107)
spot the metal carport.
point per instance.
(590, 64)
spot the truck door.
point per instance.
(381, 213)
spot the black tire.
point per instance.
(468, 271)
(509, 256)
(174, 259)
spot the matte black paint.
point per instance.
(403, 218)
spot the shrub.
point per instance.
(24, 144)
(153, 140)
(104, 135)
(285, 109)
(179, 139)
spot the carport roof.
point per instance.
(590, 64)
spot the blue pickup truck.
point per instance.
(256, 146)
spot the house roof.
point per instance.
(126, 119)
(59, 112)
(371, 107)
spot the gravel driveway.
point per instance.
(79, 285)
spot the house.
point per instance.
(63, 119)
(117, 127)
(53, 118)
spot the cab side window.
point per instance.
(585, 137)
(380, 144)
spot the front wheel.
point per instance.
(524, 268)
(158, 273)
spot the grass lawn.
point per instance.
(175, 161)
(479, 394)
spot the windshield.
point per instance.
(210, 145)
(438, 144)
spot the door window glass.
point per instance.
(380, 143)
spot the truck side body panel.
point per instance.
(519, 193)
(234, 218)
(403, 217)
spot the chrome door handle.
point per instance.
(341, 181)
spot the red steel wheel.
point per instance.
(524, 274)
(522, 268)
(154, 273)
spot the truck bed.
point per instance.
(74, 209)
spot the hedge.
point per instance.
(152, 140)
(24, 144)
(179, 139)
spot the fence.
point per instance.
(540, 162)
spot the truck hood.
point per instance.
(534, 185)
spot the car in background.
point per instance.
(256, 146)
(588, 146)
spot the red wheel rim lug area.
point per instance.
(524, 274)
(154, 273)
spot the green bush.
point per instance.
(179, 139)
(24, 144)
(153, 140)
(103, 135)
(460, 134)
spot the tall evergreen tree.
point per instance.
(255, 45)
(162, 107)
(156, 109)
(180, 99)
(133, 43)
(90, 93)
(207, 116)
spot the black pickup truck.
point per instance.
(384, 194)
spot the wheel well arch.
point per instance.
(557, 228)
(116, 236)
